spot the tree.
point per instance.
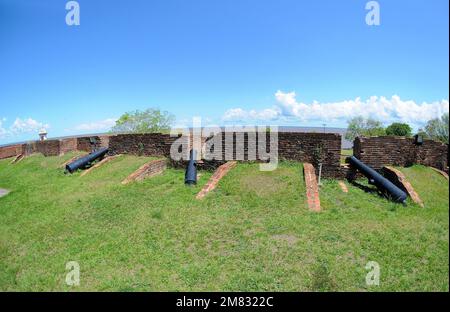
(437, 129)
(399, 129)
(358, 126)
(148, 121)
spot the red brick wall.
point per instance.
(68, 145)
(52, 147)
(150, 144)
(400, 151)
(84, 143)
(10, 151)
(47, 148)
(302, 147)
(312, 148)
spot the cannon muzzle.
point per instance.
(190, 177)
(83, 162)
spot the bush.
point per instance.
(437, 129)
(399, 129)
(149, 121)
(359, 126)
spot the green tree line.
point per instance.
(435, 129)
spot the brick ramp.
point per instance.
(100, 163)
(71, 160)
(343, 186)
(215, 178)
(312, 189)
(443, 173)
(399, 179)
(17, 159)
(147, 170)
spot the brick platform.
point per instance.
(343, 186)
(71, 160)
(443, 173)
(17, 159)
(100, 163)
(399, 179)
(312, 189)
(148, 170)
(215, 178)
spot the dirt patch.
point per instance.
(289, 239)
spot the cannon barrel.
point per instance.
(190, 177)
(378, 180)
(84, 161)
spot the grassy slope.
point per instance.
(253, 233)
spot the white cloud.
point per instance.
(381, 108)
(27, 125)
(101, 125)
(235, 114)
(238, 114)
(19, 127)
(3, 131)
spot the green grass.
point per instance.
(253, 233)
(345, 153)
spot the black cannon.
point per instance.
(190, 177)
(83, 162)
(379, 181)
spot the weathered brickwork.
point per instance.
(399, 179)
(147, 170)
(47, 148)
(400, 151)
(52, 147)
(10, 151)
(151, 144)
(312, 189)
(302, 147)
(313, 148)
(68, 145)
(84, 143)
(215, 178)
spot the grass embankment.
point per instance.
(252, 233)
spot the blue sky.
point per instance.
(286, 62)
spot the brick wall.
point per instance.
(302, 147)
(400, 151)
(84, 143)
(150, 144)
(312, 148)
(47, 148)
(68, 145)
(52, 147)
(104, 141)
(10, 151)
